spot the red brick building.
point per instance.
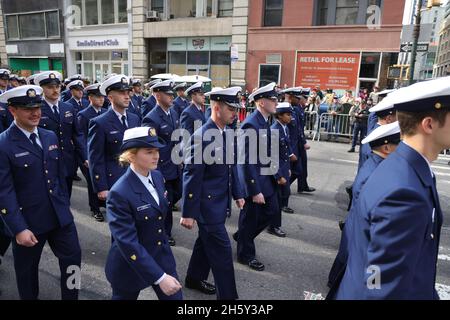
(339, 44)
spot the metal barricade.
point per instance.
(334, 126)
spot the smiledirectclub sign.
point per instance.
(96, 44)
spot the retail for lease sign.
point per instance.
(327, 70)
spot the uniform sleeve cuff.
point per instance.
(160, 280)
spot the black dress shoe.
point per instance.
(253, 264)
(309, 189)
(235, 236)
(171, 242)
(98, 216)
(351, 150)
(341, 225)
(200, 285)
(76, 178)
(277, 232)
(287, 210)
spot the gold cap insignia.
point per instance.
(133, 257)
(152, 132)
(4, 211)
(438, 105)
(124, 80)
(52, 76)
(31, 93)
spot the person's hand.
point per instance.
(282, 181)
(102, 195)
(259, 199)
(240, 203)
(169, 285)
(26, 238)
(293, 158)
(188, 223)
(307, 147)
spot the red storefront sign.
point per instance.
(327, 70)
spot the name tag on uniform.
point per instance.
(43, 118)
(142, 208)
(68, 114)
(114, 132)
(164, 126)
(52, 147)
(19, 155)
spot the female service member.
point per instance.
(140, 255)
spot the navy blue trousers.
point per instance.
(212, 251)
(173, 188)
(94, 202)
(283, 193)
(253, 219)
(64, 244)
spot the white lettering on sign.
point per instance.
(346, 60)
(94, 43)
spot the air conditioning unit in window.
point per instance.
(153, 15)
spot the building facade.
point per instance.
(328, 43)
(442, 63)
(98, 37)
(34, 35)
(190, 37)
(3, 56)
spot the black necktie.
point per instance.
(124, 122)
(55, 111)
(33, 138)
(151, 182)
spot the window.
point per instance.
(273, 13)
(220, 58)
(52, 20)
(269, 73)
(32, 25)
(369, 65)
(183, 9)
(107, 11)
(225, 8)
(91, 9)
(12, 27)
(198, 58)
(209, 8)
(96, 12)
(123, 13)
(38, 25)
(344, 12)
(158, 5)
(347, 11)
(177, 57)
(323, 12)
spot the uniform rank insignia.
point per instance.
(114, 132)
(19, 155)
(142, 208)
(68, 114)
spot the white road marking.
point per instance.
(443, 291)
(444, 257)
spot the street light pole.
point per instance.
(416, 35)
